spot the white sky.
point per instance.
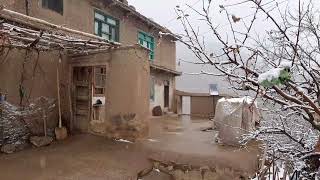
(162, 11)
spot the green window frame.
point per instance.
(106, 26)
(147, 41)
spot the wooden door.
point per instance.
(82, 97)
(166, 96)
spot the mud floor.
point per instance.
(84, 157)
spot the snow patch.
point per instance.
(274, 73)
(285, 64)
(153, 140)
(269, 75)
(123, 140)
(246, 99)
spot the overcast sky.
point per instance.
(162, 11)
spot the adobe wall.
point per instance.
(79, 15)
(128, 94)
(202, 106)
(39, 80)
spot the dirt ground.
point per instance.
(84, 157)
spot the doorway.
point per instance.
(82, 97)
(186, 105)
(166, 96)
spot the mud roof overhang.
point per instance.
(164, 69)
(164, 31)
(25, 32)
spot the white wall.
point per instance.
(186, 105)
(159, 90)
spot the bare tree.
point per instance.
(280, 67)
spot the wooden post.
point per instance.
(44, 122)
(70, 98)
(58, 88)
(61, 132)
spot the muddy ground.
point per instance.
(84, 157)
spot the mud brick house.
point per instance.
(110, 91)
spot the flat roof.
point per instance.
(165, 69)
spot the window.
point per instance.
(147, 41)
(54, 5)
(213, 89)
(100, 74)
(152, 89)
(106, 26)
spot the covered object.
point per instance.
(234, 118)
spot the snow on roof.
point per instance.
(246, 99)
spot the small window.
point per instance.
(54, 5)
(152, 89)
(106, 26)
(147, 41)
(213, 89)
(100, 74)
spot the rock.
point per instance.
(41, 141)
(8, 148)
(157, 111)
(97, 127)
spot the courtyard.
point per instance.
(178, 139)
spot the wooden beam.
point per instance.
(46, 26)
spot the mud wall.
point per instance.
(125, 112)
(34, 75)
(201, 104)
(79, 15)
(128, 94)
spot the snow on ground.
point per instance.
(153, 140)
(124, 141)
(279, 175)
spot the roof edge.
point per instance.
(164, 31)
(165, 69)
